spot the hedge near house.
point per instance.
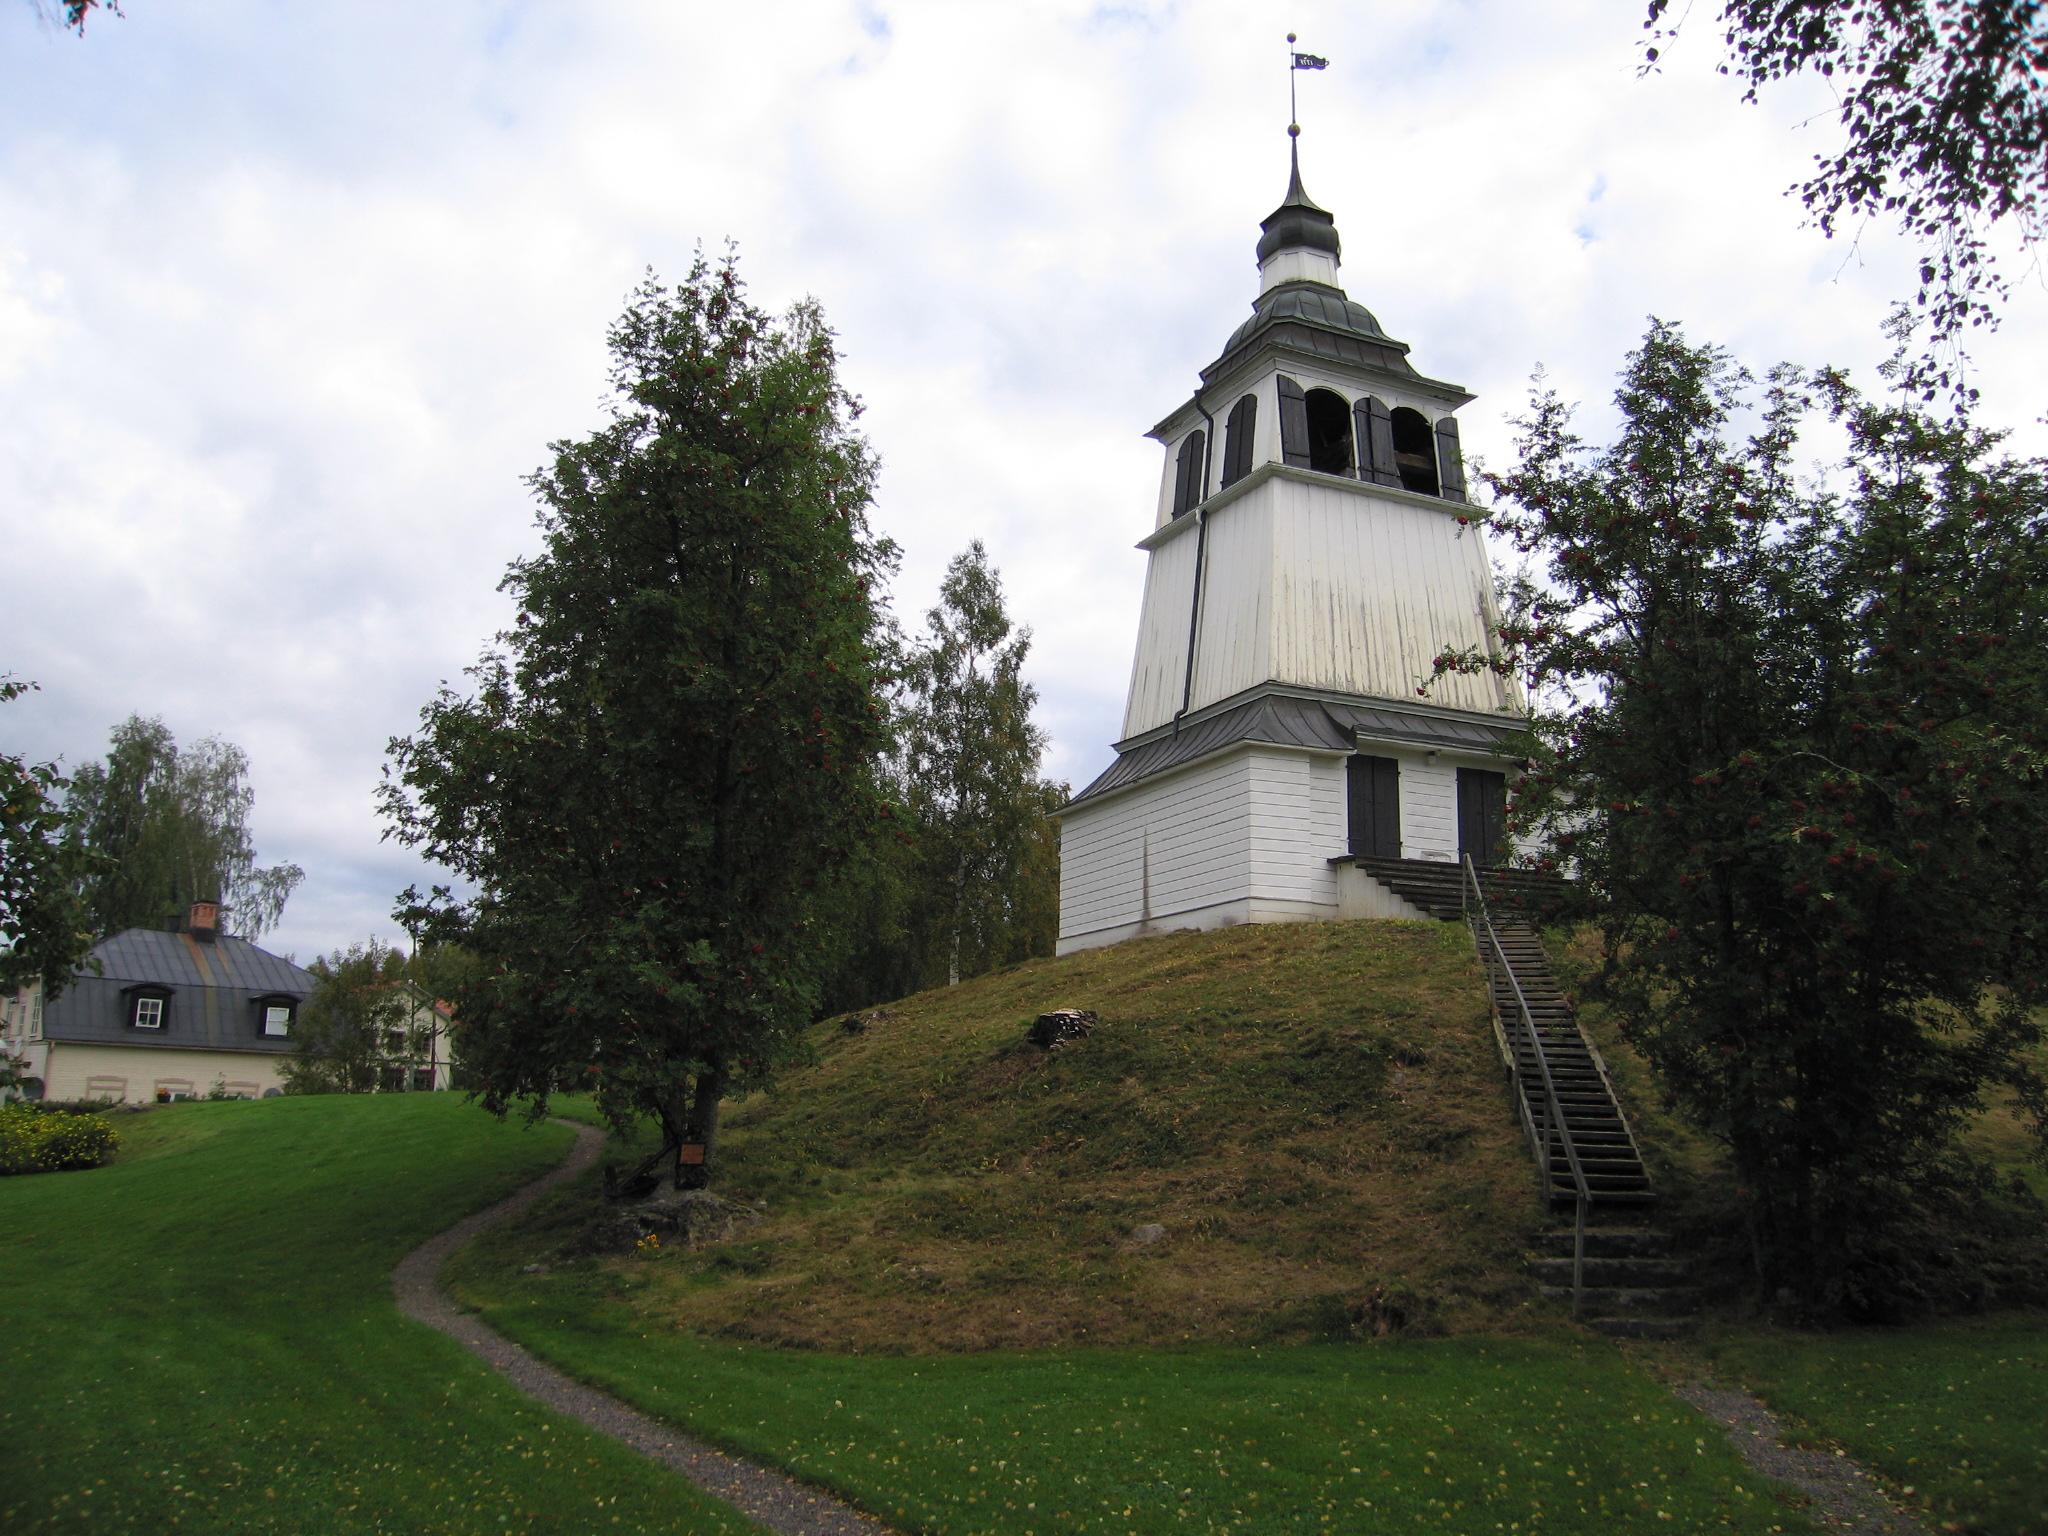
(34, 1140)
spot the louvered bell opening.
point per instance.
(1414, 451)
(1329, 432)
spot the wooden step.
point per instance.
(1606, 1242)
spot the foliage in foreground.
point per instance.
(1792, 744)
(44, 930)
(160, 827)
(1952, 1414)
(201, 1338)
(1944, 107)
(37, 1141)
(670, 763)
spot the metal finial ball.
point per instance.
(1290, 37)
(1294, 130)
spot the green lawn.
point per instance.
(1958, 1413)
(1457, 1435)
(201, 1337)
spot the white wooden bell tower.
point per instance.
(1310, 557)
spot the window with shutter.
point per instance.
(1414, 450)
(1373, 790)
(1374, 430)
(1329, 432)
(1293, 423)
(1187, 475)
(1450, 459)
(1237, 439)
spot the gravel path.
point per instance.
(779, 1502)
(1845, 1498)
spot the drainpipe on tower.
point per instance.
(1187, 687)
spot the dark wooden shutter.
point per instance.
(1450, 460)
(1373, 792)
(1293, 423)
(1373, 425)
(1187, 475)
(1482, 815)
(1237, 439)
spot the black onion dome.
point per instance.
(1298, 223)
(1312, 304)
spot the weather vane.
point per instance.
(1296, 63)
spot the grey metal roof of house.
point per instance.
(214, 990)
(1285, 721)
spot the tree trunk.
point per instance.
(703, 1130)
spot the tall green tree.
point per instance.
(1944, 112)
(163, 827)
(361, 1015)
(983, 876)
(44, 927)
(667, 763)
(1792, 747)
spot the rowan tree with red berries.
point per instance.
(669, 759)
(1791, 742)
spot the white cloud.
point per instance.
(291, 297)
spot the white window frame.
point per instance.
(154, 1007)
(277, 1020)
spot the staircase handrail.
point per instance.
(1553, 1108)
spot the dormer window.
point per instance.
(1188, 474)
(149, 1008)
(274, 1016)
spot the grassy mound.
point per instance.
(1313, 1113)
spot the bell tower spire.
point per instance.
(1295, 600)
(1298, 240)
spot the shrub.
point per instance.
(33, 1142)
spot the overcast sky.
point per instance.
(293, 294)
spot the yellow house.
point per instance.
(162, 1015)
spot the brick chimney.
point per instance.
(203, 922)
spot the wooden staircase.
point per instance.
(1439, 888)
(1556, 1056)
(1627, 1277)
(1587, 1155)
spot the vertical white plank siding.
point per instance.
(1159, 671)
(1232, 647)
(1317, 585)
(1368, 590)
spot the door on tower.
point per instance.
(1373, 794)
(1482, 816)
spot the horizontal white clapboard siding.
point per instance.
(1255, 824)
(1168, 845)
